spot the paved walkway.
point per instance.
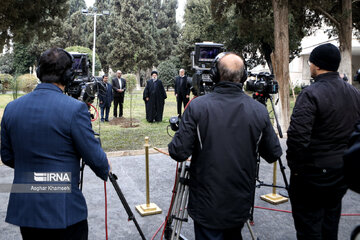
(269, 225)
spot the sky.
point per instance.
(179, 11)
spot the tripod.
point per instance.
(258, 183)
(178, 208)
(131, 216)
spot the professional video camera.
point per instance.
(262, 84)
(202, 59)
(83, 87)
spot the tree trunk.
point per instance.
(345, 39)
(281, 59)
(138, 80)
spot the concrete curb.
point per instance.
(133, 152)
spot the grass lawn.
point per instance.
(116, 138)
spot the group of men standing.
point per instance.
(112, 92)
(154, 95)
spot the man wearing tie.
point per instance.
(119, 87)
(105, 97)
(182, 91)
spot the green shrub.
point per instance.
(297, 90)
(5, 80)
(130, 87)
(167, 73)
(27, 82)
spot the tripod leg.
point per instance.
(131, 216)
(182, 211)
(178, 201)
(282, 169)
(256, 179)
(81, 174)
(250, 230)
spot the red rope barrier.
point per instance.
(106, 228)
(96, 112)
(287, 211)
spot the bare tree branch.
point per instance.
(326, 14)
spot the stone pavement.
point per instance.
(269, 225)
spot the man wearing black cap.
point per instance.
(321, 123)
(154, 96)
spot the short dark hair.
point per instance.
(228, 75)
(53, 64)
(105, 75)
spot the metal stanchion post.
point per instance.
(147, 208)
(273, 197)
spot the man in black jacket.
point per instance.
(119, 88)
(321, 123)
(182, 90)
(223, 131)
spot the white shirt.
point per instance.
(119, 79)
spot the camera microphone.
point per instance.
(174, 123)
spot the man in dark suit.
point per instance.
(182, 90)
(105, 98)
(119, 88)
(52, 138)
(154, 96)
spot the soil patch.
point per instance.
(125, 122)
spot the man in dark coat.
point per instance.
(119, 88)
(154, 96)
(52, 139)
(223, 131)
(320, 127)
(105, 98)
(351, 160)
(182, 90)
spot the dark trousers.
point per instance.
(106, 110)
(118, 101)
(316, 204)
(203, 233)
(78, 231)
(181, 100)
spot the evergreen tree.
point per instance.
(22, 20)
(76, 5)
(167, 73)
(132, 45)
(23, 60)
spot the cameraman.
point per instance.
(321, 123)
(223, 131)
(47, 131)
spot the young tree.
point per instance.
(130, 86)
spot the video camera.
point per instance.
(202, 58)
(83, 87)
(262, 84)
